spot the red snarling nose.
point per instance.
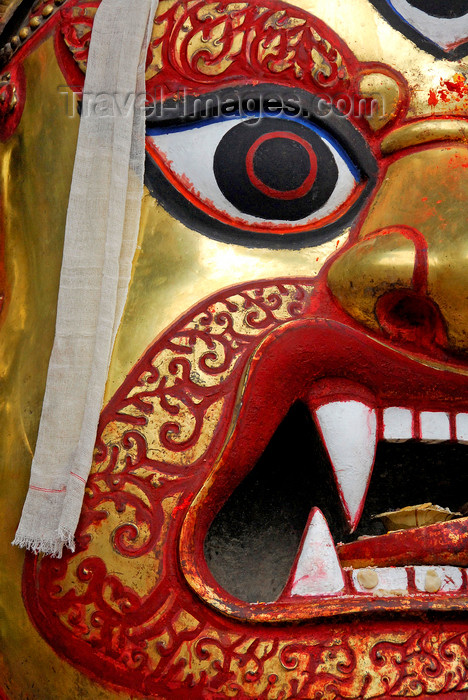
(404, 273)
(407, 317)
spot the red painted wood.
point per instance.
(442, 543)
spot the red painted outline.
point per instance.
(78, 477)
(270, 191)
(182, 185)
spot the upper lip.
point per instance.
(312, 360)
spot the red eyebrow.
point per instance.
(198, 46)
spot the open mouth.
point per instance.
(260, 535)
(353, 499)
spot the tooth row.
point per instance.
(350, 430)
(395, 580)
(391, 581)
(317, 571)
(400, 424)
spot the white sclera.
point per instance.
(442, 31)
(189, 154)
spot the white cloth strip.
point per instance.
(100, 239)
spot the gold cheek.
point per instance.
(427, 191)
(35, 176)
(176, 267)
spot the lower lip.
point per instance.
(441, 543)
(318, 349)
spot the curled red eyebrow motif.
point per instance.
(194, 45)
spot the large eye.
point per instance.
(443, 22)
(446, 9)
(268, 174)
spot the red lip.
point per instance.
(441, 543)
(120, 607)
(312, 360)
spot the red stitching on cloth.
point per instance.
(39, 488)
(78, 477)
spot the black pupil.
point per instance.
(275, 169)
(446, 9)
(281, 164)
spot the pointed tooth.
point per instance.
(349, 431)
(317, 570)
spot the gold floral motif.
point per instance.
(209, 39)
(228, 34)
(208, 349)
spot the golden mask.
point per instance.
(286, 411)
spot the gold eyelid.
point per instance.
(425, 131)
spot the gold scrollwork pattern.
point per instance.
(118, 607)
(236, 41)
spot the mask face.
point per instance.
(291, 363)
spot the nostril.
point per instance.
(409, 317)
(409, 312)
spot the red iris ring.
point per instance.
(270, 191)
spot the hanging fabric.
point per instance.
(100, 239)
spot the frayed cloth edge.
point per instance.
(53, 547)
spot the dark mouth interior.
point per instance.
(253, 541)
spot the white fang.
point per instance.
(318, 570)
(349, 431)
